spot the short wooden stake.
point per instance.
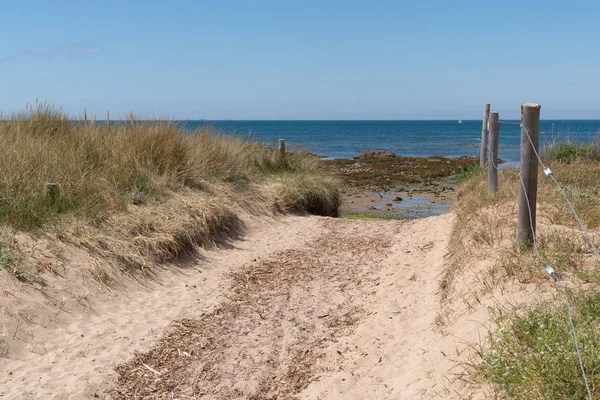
(52, 190)
(282, 147)
(530, 128)
(493, 153)
(84, 116)
(107, 116)
(484, 135)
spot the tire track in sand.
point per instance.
(265, 340)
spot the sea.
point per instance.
(349, 139)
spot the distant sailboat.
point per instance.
(460, 121)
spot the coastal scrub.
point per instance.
(136, 191)
(529, 353)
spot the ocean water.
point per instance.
(347, 139)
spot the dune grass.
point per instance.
(137, 190)
(566, 150)
(467, 173)
(531, 354)
(102, 168)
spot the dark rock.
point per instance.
(397, 198)
(307, 154)
(377, 154)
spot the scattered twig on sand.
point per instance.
(258, 312)
(149, 368)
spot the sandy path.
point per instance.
(395, 352)
(309, 307)
(79, 357)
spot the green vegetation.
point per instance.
(137, 190)
(468, 172)
(372, 216)
(370, 172)
(6, 256)
(530, 354)
(569, 151)
(533, 356)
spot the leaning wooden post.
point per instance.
(530, 127)
(282, 147)
(484, 134)
(493, 153)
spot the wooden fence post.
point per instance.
(484, 134)
(282, 147)
(530, 127)
(493, 153)
(52, 191)
(108, 117)
(84, 116)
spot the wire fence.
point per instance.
(549, 269)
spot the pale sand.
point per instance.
(381, 276)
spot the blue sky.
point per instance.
(302, 59)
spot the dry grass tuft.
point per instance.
(140, 191)
(313, 193)
(486, 224)
(566, 150)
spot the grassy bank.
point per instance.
(530, 353)
(144, 191)
(569, 151)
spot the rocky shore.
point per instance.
(384, 185)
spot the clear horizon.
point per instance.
(282, 61)
(355, 120)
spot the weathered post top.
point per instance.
(282, 147)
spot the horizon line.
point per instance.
(326, 120)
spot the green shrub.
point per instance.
(469, 172)
(533, 356)
(568, 151)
